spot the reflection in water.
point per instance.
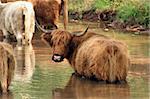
(79, 88)
(49, 76)
(9, 95)
(25, 57)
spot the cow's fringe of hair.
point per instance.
(60, 37)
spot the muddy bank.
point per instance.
(108, 20)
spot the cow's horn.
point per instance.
(42, 29)
(82, 33)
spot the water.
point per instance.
(37, 77)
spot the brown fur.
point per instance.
(91, 55)
(48, 11)
(7, 66)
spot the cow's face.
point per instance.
(59, 42)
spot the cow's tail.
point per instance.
(65, 8)
(28, 17)
(117, 62)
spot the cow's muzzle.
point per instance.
(57, 58)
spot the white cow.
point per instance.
(18, 18)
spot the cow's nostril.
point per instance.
(57, 58)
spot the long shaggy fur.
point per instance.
(92, 55)
(18, 18)
(7, 66)
(48, 11)
(104, 59)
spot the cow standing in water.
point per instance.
(7, 66)
(47, 12)
(90, 54)
(17, 18)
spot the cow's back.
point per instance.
(18, 18)
(88, 51)
(102, 58)
(6, 17)
(12, 16)
(48, 11)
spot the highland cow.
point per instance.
(7, 66)
(90, 54)
(17, 18)
(47, 12)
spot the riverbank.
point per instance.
(126, 16)
(107, 20)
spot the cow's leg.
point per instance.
(30, 38)
(4, 79)
(23, 39)
(29, 41)
(6, 36)
(11, 68)
(19, 38)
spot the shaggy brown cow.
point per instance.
(7, 66)
(91, 55)
(48, 11)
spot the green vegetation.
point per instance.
(102, 4)
(132, 11)
(136, 12)
(77, 5)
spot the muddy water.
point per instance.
(37, 77)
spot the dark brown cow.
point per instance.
(91, 55)
(48, 11)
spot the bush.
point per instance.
(102, 4)
(128, 11)
(80, 5)
(136, 12)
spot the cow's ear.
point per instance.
(81, 33)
